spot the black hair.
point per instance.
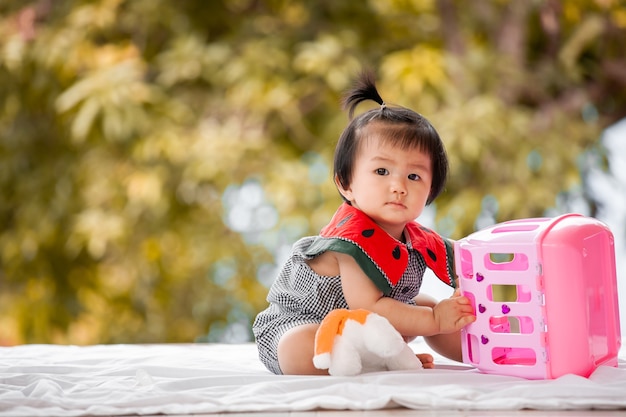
(402, 127)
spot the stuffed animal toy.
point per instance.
(349, 342)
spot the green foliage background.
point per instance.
(125, 123)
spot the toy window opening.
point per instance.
(467, 267)
(509, 293)
(511, 324)
(513, 356)
(500, 258)
(498, 261)
(473, 351)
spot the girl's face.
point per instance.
(389, 184)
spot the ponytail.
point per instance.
(364, 89)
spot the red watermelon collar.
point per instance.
(382, 257)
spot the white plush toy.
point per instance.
(349, 342)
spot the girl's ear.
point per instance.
(346, 193)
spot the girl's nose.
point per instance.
(398, 186)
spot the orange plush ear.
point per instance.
(332, 326)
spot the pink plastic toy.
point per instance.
(545, 295)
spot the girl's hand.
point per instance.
(454, 313)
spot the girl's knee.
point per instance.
(296, 349)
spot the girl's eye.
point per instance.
(382, 171)
(414, 177)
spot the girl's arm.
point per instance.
(447, 316)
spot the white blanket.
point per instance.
(51, 380)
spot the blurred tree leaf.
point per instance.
(126, 127)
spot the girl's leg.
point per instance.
(296, 349)
(447, 345)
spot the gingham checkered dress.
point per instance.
(300, 296)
